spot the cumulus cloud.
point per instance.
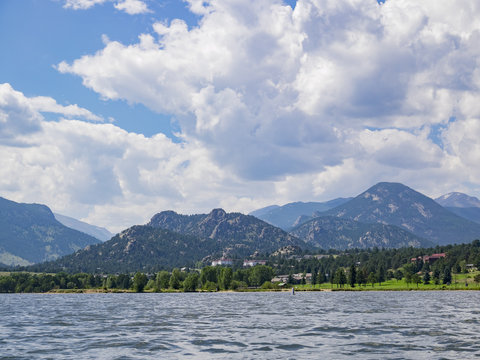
(22, 115)
(273, 104)
(105, 175)
(272, 91)
(48, 104)
(17, 115)
(82, 4)
(131, 7)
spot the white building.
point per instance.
(220, 262)
(247, 263)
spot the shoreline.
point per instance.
(122, 291)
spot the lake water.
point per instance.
(328, 325)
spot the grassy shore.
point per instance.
(459, 282)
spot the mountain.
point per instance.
(139, 248)
(173, 240)
(97, 232)
(29, 233)
(260, 212)
(397, 204)
(458, 200)
(238, 234)
(328, 232)
(470, 213)
(461, 204)
(292, 214)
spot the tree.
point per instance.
(416, 279)
(290, 278)
(362, 276)
(426, 278)
(372, 278)
(321, 278)
(447, 276)
(225, 278)
(208, 274)
(163, 280)
(398, 274)
(175, 279)
(259, 274)
(381, 274)
(436, 276)
(191, 282)
(139, 282)
(340, 279)
(111, 282)
(476, 278)
(352, 276)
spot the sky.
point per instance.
(114, 110)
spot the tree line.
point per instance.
(362, 267)
(339, 268)
(209, 278)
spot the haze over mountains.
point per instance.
(292, 214)
(387, 215)
(462, 205)
(97, 232)
(171, 239)
(29, 233)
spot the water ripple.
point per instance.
(369, 325)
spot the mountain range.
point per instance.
(329, 232)
(397, 204)
(463, 205)
(387, 215)
(175, 240)
(292, 214)
(97, 232)
(29, 233)
(239, 234)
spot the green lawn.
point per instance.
(458, 283)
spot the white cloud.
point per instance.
(48, 104)
(273, 105)
(17, 115)
(82, 4)
(131, 7)
(272, 92)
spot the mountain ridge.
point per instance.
(329, 232)
(97, 232)
(398, 204)
(288, 216)
(30, 233)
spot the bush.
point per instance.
(210, 286)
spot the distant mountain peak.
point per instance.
(239, 234)
(97, 232)
(217, 214)
(292, 214)
(458, 199)
(397, 204)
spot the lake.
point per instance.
(307, 325)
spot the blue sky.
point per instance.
(45, 33)
(113, 110)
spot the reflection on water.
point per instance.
(367, 325)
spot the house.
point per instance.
(222, 262)
(247, 263)
(280, 278)
(434, 257)
(428, 258)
